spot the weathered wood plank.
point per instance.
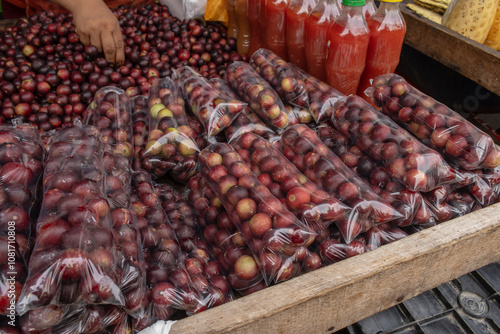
(465, 56)
(338, 295)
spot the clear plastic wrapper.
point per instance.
(446, 202)
(247, 121)
(320, 165)
(203, 270)
(140, 128)
(409, 203)
(21, 157)
(273, 233)
(260, 96)
(225, 242)
(169, 286)
(75, 259)
(381, 235)
(282, 76)
(436, 125)
(76, 319)
(321, 97)
(214, 108)
(111, 113)
(118, 181)
(171, 145)
(303, 198)
(408, 161)
(333, 250)
(298, 115)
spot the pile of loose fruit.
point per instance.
(154, 196)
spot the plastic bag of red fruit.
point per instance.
(74, 259)
(247, 121)
(436, 125)
(303, 147)
(111, 113)
(411, 163)
(299, 195)
(171, 140)
(214, 108)
(275, 236)
(21, 157)
(282, 76)
(260, 96)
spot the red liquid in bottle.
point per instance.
(369, 9)
(255, 27)
(275, 32)
(296, 16)
(317, 28)
(349, 37)
(387, 32)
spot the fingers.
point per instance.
(108, 46)
(120, 47)
(84, 38)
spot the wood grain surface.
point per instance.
(473, 60)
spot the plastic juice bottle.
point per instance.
(369, 9)
(253, 15)
(243, 41)
(317, 28)
(232, 23)
(262, 20)
(387, 32)
(349, 37)
(275, 31)
(296, 17)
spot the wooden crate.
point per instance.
(473, 60)
(341, 294)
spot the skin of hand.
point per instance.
(95, 24)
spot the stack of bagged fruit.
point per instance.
(282, 175)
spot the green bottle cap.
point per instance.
(353, 3)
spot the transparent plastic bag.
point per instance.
(282, 76)
(214, 108)
(169, 286)
(273, 232)
(307, 201)
(75, 258)
(436, 125)
(118, 179)
(111, 113)
(485, 186)
(224, 240)
(381, 235)
(21, 156)
(446, 202)
(331, 246)
(321, 97)
(409, 203)
(202, 269)
(413, 164)
(320, 165)
(171, 145)
(76, 319)
(260, 96)
(186, 9)
(247, 121)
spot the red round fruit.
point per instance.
(260, 223)
(246, 268)
(296, 197)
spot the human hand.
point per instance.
(95, 24)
